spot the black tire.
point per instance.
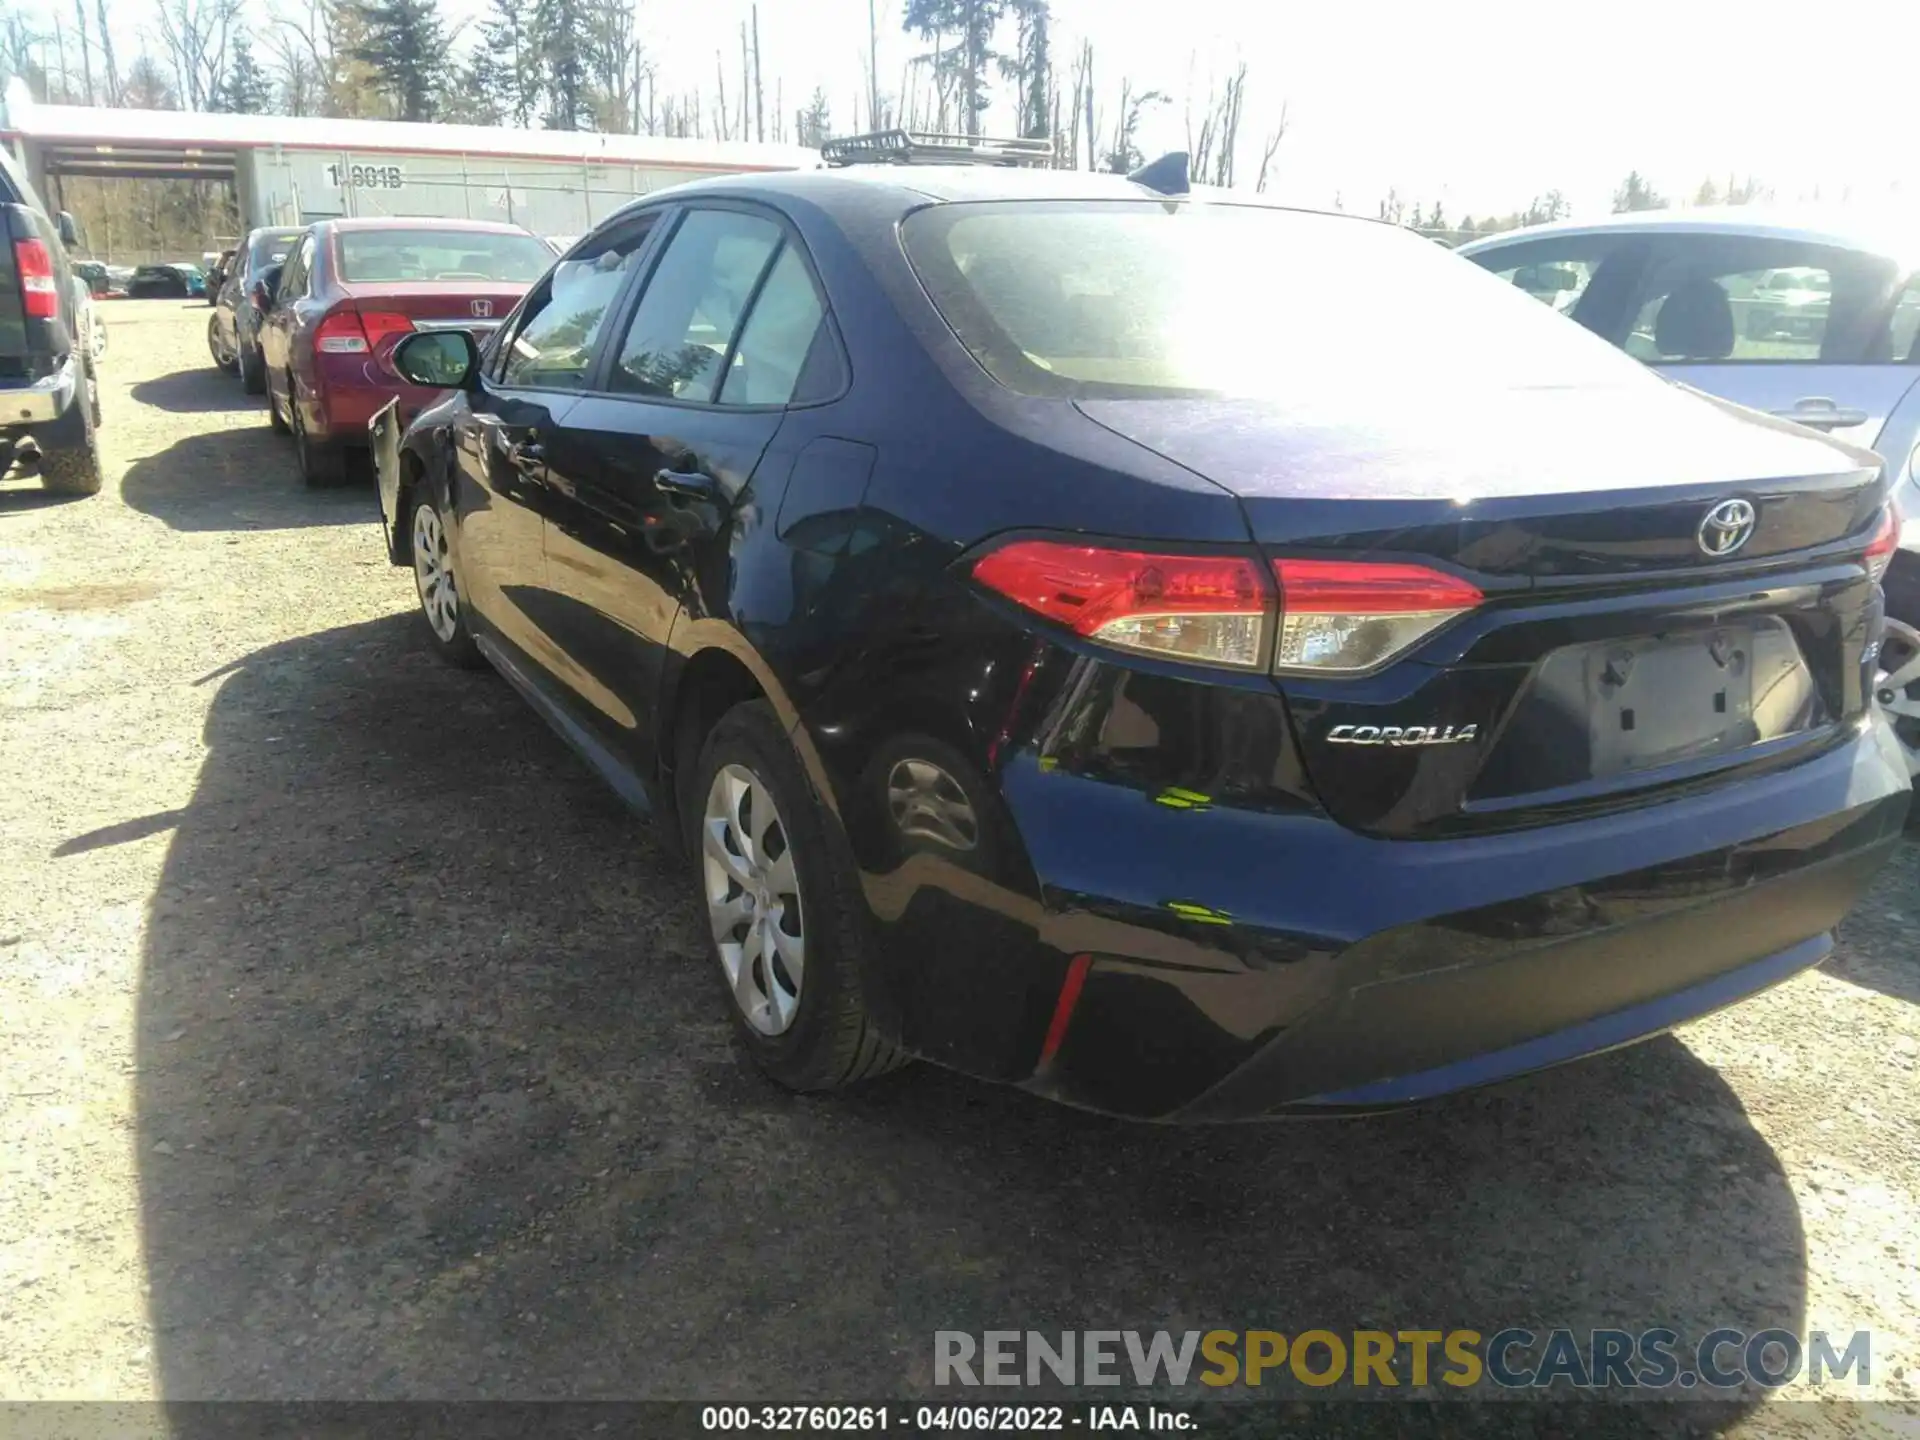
(456, 646)
(253, 374)
(70, 464)
(321, 466)
(831, 1041)
(274, 416)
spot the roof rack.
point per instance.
(926, 147)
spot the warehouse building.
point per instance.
(287, 170)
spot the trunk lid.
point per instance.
(473, 305)
(1537, 483)
(1612, 658)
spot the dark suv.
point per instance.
(1071, 657)
(49, 398)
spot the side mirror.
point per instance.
(68, 228)
(442, 359)
(265, 287)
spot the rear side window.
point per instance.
(398, 256)
(786, 326)
(271, 250)
(1744, 299)
(1142, 298)
(694, 301)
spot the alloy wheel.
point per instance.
(433, 573)
(753, 899)
(928, 804)
(1897, 688)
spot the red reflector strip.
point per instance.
(1344, 587)
(1063, 1007)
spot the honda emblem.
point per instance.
(483, 309)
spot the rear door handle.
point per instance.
(1822, 414)
(687, 484)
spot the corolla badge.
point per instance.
(1402, 734)
(1727, 527)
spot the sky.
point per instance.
(1481, 107)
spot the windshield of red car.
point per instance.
(388, 256)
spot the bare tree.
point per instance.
(112, 71)
(196, 33)
(86, 49)
(759, 99)
(720, 111)
(1274, 137)
(873, 70)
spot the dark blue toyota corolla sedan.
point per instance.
(1189, 658)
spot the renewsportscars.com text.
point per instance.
(1656, 1358)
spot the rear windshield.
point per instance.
(375, 256)
(1134, 298)
(273, 249)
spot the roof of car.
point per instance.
(421, 222)
(1893, 236)
(911, 186)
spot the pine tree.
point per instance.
(813, 126)
(246, 90)
(1636, 194)
(559, 28)
(1031, 68)
(966, 64)
(504, 76)
(406, 45)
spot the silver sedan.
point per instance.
(1815, 319)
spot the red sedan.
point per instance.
(348, 293)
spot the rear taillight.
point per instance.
(1207, 608)
(1341, 617)
(39, 292)
(1335, 617)
(356, 332)
(1886, 540)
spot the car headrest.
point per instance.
(1695, 323)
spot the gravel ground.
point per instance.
(354, 1042)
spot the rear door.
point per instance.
(276, 330)
(648, 471)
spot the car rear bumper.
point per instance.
(40, 402)
(350, 397)
(1217, 964)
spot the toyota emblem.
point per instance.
(1727, 528)
(483, 309)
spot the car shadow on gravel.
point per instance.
(201, 390)
(240, 479)
(436, 1098)
(24, 495)
(1876, 948)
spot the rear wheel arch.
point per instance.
(710, 684)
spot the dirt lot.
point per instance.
(354, 1042)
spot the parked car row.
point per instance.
(1069, 657)
(310, 316)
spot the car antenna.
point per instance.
(1167, 175)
